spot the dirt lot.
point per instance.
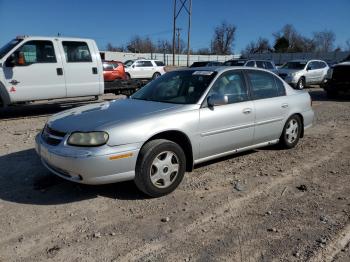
(263, 205)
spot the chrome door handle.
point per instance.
(14, 82)
(247, 111)
(284, 105)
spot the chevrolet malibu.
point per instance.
(178, 120)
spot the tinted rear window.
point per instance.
(159, 63)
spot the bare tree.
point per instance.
(141, 45)
(296, 42)
(259, 47)
(324, 40)
(347, 43)
(110, 47)
(223, 38)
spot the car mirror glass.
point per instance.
(217, 100)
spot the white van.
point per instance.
(40, 68)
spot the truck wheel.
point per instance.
(301, 83)
(160, 167)
(291, 132)
(156, 75)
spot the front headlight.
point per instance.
(88, 139)
(293, 74)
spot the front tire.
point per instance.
(291, 132)
(160, 167)
(301, 83)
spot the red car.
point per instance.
(113, 70)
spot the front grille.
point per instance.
(51, 136)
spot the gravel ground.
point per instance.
(263, 205)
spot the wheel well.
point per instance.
(182, 140)
(302, 124)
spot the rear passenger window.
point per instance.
(232, 85)
(281, 90)
(159, 63)
(268, 65)
(260, 64)
(250, 64)
(263, 85)
(37, 52)
(76, 52)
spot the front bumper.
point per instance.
(93, 165)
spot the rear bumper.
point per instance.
(330, 85)
(309, 118)
(89, 166)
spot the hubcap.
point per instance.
(292, 131)
(301, 84)
(164, 169)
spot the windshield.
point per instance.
(177, 87)
(294, 65)
(235, 63)
(128, 63)
(6, 48)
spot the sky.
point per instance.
(118, 21)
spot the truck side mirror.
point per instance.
(11, 61)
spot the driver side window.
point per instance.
(231, 84)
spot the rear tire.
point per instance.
(156, 75)
(291, 132)
(160, 167)
(301, 83)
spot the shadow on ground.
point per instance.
(318, 94)
(23, 179)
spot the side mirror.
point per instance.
(217, 100)
(133, 66)
(308, 68)
(11, 61)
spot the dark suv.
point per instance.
(338, 79)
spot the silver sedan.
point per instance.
(180, 119)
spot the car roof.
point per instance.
(220, 69)
(111, 61)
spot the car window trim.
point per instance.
(251, 89)
(204, 103)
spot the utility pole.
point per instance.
(189, 34)
(174, 28)
(178, 45)
(188, 9)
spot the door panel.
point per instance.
(270, 115)
(36, 77)
(270, 104)
(230, 126)
(225, 128)
(80, 69)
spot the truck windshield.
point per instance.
(177, 87)
(294, 65)
(6, 48)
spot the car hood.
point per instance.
(92, 117)
(288, 71)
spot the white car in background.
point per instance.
(299, 73)
(144, 69)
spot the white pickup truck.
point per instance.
(40, 68)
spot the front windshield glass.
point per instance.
(294, 65)
(6, 48)
(177, 87)
(128, 63)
